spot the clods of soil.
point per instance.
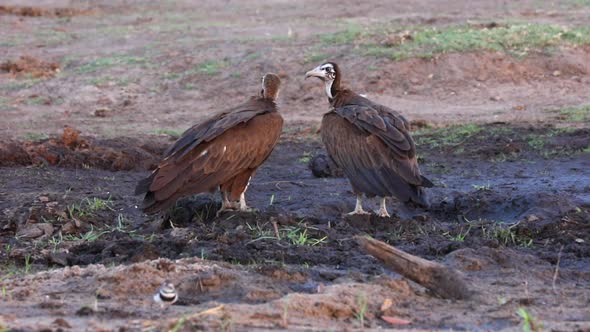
(31, 66)
(508, 225)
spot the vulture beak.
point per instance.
(316, 72)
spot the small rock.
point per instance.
(397, 39)
(419, 123)
(421, 217)
(181, 232)
(396, 321)
(519, 108)
(387, 303)
(578, 240)
(51, 204)
(102, 112)
(34, 231)
(532, 218)
(556, 73)
(103, 294)
(69, 228)
(58, 258)
(62, 323)
(495, 98)
(85, 311)
(323, 167)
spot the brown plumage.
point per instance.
(221, 152)
(371, 143)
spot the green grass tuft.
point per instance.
(449, 136)
(111, 61)
(174, 133)
(35, 136)
(211, 67)
(517, 39)
(529, 323)
(347, 36)
(575, 114)
(89, 206)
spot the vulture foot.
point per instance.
(383, 209)
(248, 209)
(383, 213)
(358, 212)
(226, 205)
(358, 208)
(243, 207)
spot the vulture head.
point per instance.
(330, 74)
(271, 84)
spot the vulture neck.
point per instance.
(341, 97)
(333, 89)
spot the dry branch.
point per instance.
(442, 280)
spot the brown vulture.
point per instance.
(221, 152)
(371, 143)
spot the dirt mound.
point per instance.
(420, 75)
(71, 150)
(38, 11)
(28, 65)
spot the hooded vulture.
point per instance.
(221, 152)
(371, 143)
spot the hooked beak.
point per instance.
(316, 72)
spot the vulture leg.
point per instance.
(243, 206)
(226, 205)
(358, 209)
(383, 209)
(236, 187)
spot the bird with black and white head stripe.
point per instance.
(166, 294)
(371, 143)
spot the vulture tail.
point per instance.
(426, 183)
(152, 206)
(144, 185)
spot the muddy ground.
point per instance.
(505, 139)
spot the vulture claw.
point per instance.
(358, 212)
(383, 214)
(383, 209)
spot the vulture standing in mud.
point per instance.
(221, 152)
(371, 143)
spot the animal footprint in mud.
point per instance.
(166, 295)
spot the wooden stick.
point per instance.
(442, 280)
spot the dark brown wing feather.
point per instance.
(215, 126)
(213, 152)
(373, 146)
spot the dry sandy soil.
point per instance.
(505, 138)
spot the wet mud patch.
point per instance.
(299, 248)
(30, 66)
